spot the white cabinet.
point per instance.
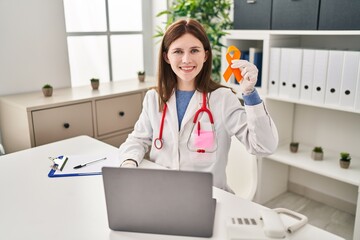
(109, 114)
(312, 123)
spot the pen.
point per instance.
(85, 164)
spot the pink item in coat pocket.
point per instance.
(204, 140)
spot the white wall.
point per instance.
(33, 48)
(332, 129)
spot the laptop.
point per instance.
(159, 201)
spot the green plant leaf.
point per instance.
(163, 13)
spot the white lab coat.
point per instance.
(252, 126)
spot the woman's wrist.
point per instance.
(129, 163)
(252, 98)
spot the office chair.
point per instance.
(242, 171)
(2, 151)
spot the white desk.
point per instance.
(33, 206)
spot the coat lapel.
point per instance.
(171, 116)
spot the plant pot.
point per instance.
(317, 155)
(95, 85)
(47, 92)
(141, 78)
(294, 147)
(344, 164)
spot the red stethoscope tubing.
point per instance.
(158, 142)
(203, 109)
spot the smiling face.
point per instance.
(186, 55)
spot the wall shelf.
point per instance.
(328, 167)
(324, 106)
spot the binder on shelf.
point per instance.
(320, 74)
(333, 80)
(307, 74)
(82, 165)
(245, 55)
(349, 78)
(290, 72)
(285, 57)
(295, 73)
(255, 57)
(357, 93)
(274, 71)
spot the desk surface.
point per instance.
(33, 206)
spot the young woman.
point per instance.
(187, 122)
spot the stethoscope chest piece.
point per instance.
(158, 143)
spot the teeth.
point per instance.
(187, 68)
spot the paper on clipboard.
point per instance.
(112, 160)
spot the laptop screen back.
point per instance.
(159, 201)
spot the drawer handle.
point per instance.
(251, 1)
(66, 125)
(122, 114)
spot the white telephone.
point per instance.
(268, 226)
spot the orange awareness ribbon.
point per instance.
(229, 70)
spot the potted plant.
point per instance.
(47, 90)
(95, 83)
(345, 159)
(317, 153)
(141, 76)
(294, 146)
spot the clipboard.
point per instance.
(63, 166)
(54, 174)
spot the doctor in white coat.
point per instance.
(180, 136)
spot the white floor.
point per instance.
(320, 215)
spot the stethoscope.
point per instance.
(159, 142)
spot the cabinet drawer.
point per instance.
(118, 113)
(295, 15)
(339, 15)
(62, 122)
(252, 14)
(117, 140)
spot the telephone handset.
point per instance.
(268, 226)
